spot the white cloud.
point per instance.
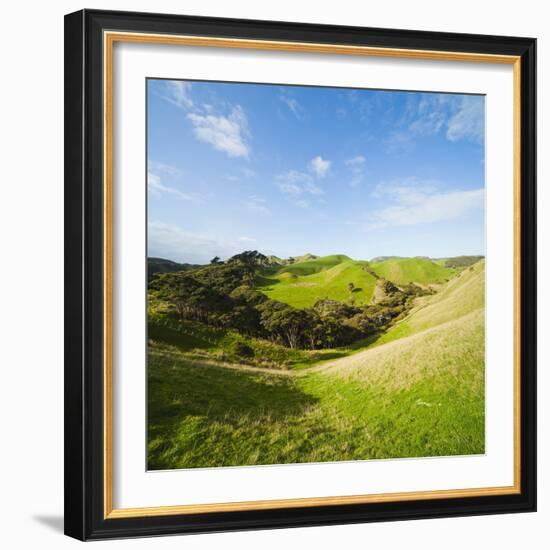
(302, 203)
(163, 168)
(399, 142)
(297, 183)
(293, 105)
(459, 116)
(224, 133)
(357, 166)
(223, 127)
(356, 162)
(246, 239)
(428, 124)
(156, 189)
(415, 203)
(468, 122)
(256, 205)
(174, 243)
(177, 93)
(320, 166)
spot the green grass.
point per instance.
(463, 294)
(314, 266)
(412, 270)
(301, 285)
(204, 416)
(196, 341)
(418, 390)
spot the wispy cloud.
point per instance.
(224, 133)
(459, 117)
(245, 239)
(244, 173)
(224, 127)
(357, 167)
(163, 168)
(468, 121)
(292, 103)
(256, 205)
(174, 243)
(178, 92)
(412, 202)
(356, 162)
(156, 189)
(320, 166)
(297, 183)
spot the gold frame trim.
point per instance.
(109, 39)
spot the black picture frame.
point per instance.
(84, 281)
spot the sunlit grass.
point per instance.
(416, 391)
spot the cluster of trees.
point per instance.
(222, 294)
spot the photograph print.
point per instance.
(315, 274)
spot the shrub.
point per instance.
(242, 350)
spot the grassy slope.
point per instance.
(203, 416)
(302, 284)
(196, 341)
(421, 395)
(463, 294)
(407, 270)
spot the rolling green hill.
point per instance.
(411, 270)
(302, 284)
(417, 391)
(460, 303)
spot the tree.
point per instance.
(249, 258)
(351, 286)
(176, 288)
(216, 260)
(284, 323)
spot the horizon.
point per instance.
(316, 256)
(282, 169)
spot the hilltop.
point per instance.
(419, 270)
(301, 284)
(449, 323)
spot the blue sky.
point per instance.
(291, 169)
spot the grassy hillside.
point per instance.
(408, 270)
(308, 267)
(204, 416)
(302, 284)
(462, 295)
(419, 391)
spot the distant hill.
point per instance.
(459, 262)
(301, 284)
(161, 265)
(276, 261)
(384, 258)
(401, 271)
(442, 338)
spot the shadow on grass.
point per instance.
(180, 393)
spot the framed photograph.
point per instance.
(300, 274)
